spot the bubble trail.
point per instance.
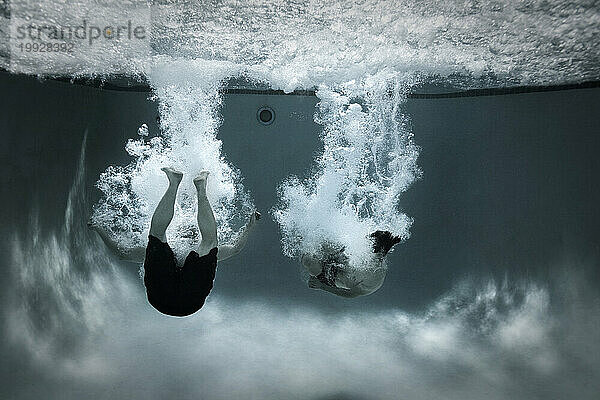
(369, 160)
(189, 103)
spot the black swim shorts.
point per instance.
(175, 290)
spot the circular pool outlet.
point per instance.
(265, 115)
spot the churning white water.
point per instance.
(369, 159)
(189, 103)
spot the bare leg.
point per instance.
(206, 218)
(164, 211)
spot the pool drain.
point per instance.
(265, 115)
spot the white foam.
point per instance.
(369, 160)
(301, 44)
(189, 104)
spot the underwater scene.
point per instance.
(367, 199)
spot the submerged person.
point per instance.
(172, 289)
(330, 269)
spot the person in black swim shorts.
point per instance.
(172, 289)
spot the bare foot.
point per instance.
(201, 178)
(173, 175)
(200, 182)
(203, 175)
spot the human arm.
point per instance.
(135, 254)
(229, 250)
(315, 283)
